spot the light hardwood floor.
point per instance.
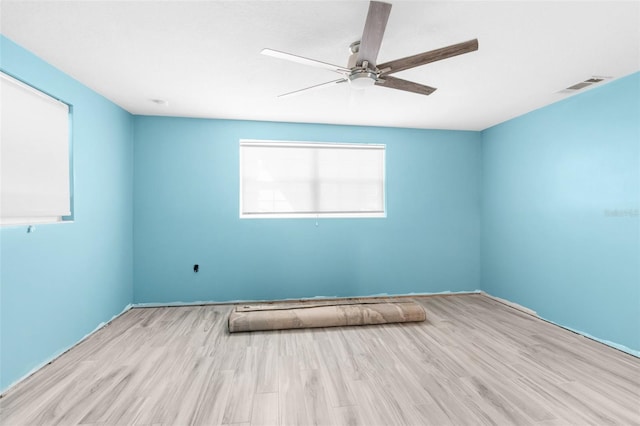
(474, 361)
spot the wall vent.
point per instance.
(589, 82)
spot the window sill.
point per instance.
(362, 215)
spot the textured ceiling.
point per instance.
(204, 57)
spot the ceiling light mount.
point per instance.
(161, 102)
(354, 47)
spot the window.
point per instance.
(34, 155)
(305, 179)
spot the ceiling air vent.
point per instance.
(579, 86)
(583, 84)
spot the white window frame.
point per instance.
(19, 220)
(313, 215)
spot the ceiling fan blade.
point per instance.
(373, 32)
(317, 86)
(428, 57)
(407, 86)
(305, 61)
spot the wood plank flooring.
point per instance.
(474, 361)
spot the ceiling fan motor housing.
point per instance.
(360, 76)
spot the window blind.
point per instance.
(311, 179)
(34, 154)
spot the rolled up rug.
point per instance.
(280, 316)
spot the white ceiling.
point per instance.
(204, 56)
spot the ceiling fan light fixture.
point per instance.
(362, 79)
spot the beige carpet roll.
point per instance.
(322, 314)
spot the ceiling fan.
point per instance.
(363, 70)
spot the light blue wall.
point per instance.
(186, 212)
(552, 240)
(60, 282)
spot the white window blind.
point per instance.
(34, 155)
(298, 179)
